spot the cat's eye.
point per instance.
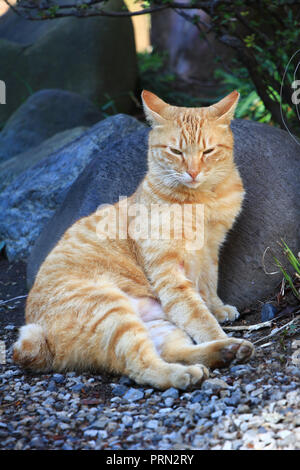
(206, 152)
(176, 151)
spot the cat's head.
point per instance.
(190, 147)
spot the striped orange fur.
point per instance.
(146, 307)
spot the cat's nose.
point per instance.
(193, 173)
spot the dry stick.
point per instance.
(258, 326)
(277, 330)
(270, 343)
(3, 302)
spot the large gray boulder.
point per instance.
(10, 169)
(269, 162)
(94, 57)
(34, 196)
(44, 114)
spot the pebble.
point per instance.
(58, 378)
(127, 420)
(170, 393)
(100, 423)
(198, 397)
(268, 312)
(214, 384)
(169, 401)
(234, 399)
(133, 394)
(249, 388)
(119, 390)
(10, 327)
(247, 406)
(78, 387)
(152, 424)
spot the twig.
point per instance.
(3, 302)
(257, 326)
(277, 330)
(266, 344)
(22, 9)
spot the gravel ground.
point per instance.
(248, 406)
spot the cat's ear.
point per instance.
(154, 108)
(223, 111)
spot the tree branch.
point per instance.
(83, 10)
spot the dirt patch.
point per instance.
(12, 285)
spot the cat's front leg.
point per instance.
(209, 286)
(179, 299)
(222, 312)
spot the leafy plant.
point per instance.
(262, 34)
(154, 76)
(295, 264)
(152, 73)
(250, 105)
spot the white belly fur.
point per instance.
(154, 318)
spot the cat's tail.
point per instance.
(31, 350)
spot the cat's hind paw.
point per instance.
(225, 352)
(226, 313)
(239, 351)
(189, 377)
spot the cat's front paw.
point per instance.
(226, 313)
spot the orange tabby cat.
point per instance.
(143, 306)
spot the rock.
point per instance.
(90, 433)
(234, 400)
(78, 55)
(100, 423)
(214, 385)
(78, 387)
(52, 386)
(127, 420)
(13, 167)
(198, 397)
(38, 443)
(216, 414)
(58, 378)
(268, 312)
(169, 401)
(270, 211)
(43, 115)
(119, 390)
(133, 394)
(170, 393)
(249, 388)
(32, 198)
(152, 424)
(271, 184)
(9, 55)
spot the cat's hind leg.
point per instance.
(178, 347)
(175, 345)
(91, 324)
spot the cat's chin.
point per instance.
(192, 184)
